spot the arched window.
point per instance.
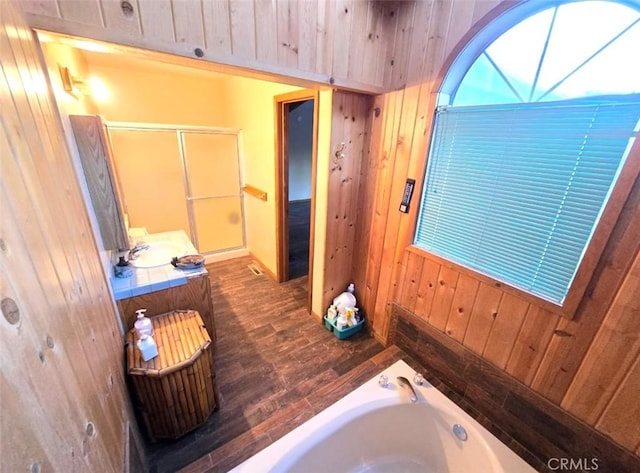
(531, 133)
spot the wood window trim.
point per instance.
(629, 173)
(510, 14)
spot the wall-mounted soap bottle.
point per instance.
(143, 324)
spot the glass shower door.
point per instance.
(214, 190)
(150, 171)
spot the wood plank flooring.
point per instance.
(299, 227)
(276, 367)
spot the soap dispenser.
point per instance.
(143, 324)
(123, 268)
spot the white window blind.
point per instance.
(515, 191)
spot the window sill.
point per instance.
(483, 278)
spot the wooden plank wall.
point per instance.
(350, 125)
(402, 50)
(64, 402)
(345, 43)
(587, 365)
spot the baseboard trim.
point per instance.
(383, 341)
(225, 255)
(319, 318)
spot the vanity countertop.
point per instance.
(146, 280)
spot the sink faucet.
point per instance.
(133, 252)
(406, 385)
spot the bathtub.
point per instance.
(377, 429)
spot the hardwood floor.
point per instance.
(299, 226)
(276, 366)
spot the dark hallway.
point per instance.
(299, 224)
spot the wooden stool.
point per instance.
(176, 387)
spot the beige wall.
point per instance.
(199, 98)
(157, 93)
(166, 94)
(322, 191)
(176, 95)
(249, 105)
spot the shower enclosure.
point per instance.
(182, 178)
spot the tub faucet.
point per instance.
(406, 385)
(133, 252)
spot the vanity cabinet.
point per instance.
(195, 295)
(94, 151)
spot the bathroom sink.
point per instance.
(158, 254)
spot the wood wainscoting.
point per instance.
(540, 426)
(585, 365)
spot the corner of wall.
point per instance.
(61, 55)
(321, 197)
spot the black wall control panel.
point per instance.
(406, 197)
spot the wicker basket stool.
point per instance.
(175, 389)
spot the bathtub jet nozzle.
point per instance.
(406, 385)
(460, 432)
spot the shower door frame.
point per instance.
(180, 130)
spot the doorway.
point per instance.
(296, 128)
(194, 97)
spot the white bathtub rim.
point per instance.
(286, 451)
(330, 426)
